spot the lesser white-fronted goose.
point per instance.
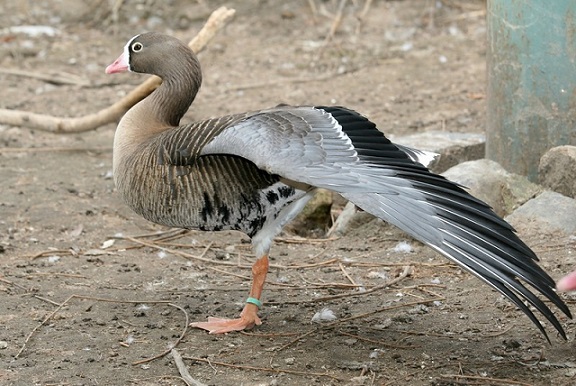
(255, 171)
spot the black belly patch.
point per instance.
(272, 197)
(285, 191)
(224, 213)
(207, 209)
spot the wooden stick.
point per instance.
(74, 296)
(264, 369)
(46, 319)
(366, 8)
(58, 78)
(486, 380)
(337, 21)
(165, 352)
(346, 274)
(58, 125)
(184, 371)
(405, 273)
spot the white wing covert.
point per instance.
(305, 145)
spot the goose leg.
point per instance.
(249, 315)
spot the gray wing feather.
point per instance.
(482, 244)
(301, 144)
(309, 145)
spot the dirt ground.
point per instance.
(89, 291)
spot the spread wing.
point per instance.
(308, 145)
(337, 149)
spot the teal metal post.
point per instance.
(531, 96)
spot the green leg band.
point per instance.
(254, 301)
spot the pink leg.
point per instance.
(567, 283)
(249, 315)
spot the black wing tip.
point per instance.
(372, 144)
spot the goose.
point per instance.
(254, 172)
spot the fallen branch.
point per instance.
(46, 319)
(52, 149)
(184, 371)
(405, 273)
(263, 369)
(57, 78)
(485, 380)
(111, 114)
(65, 302)
(378, 342)
(336, 22)
(173, 345)
(382, 309)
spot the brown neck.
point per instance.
(161, 110)
(180, 84)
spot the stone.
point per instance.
(557, 170)
(491, 183)
(454, 148)
(548, 212)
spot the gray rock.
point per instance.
(557, 170)
(454, 148)
(549, 212)
(490, 182)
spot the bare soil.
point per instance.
(78, 309)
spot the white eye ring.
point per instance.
(137, 47)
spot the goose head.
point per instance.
(153, 53)
(170, 59)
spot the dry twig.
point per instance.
(365, 9)
(111, 114)
(486, 380)
(53, 149)
(336, 22)
(407, 271)
(378, 342)
(46, 319)
(299, 337)
(186, 324)
(382, 309)
(183, 370)
(2, 280)
(74, 296)
(58, 78)
(265, 369)
(176, 252)
(347, 274)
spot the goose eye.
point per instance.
(137, 47)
